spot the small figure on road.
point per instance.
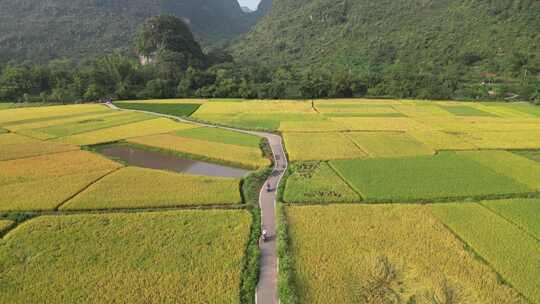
(264, 235)
(268, 187)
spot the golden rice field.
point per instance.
(53, 165)
(146, 188)
(35, 125)
(15, 146)
(45, 194)
(46, 182)
(25, 115)
(148, 257)
(248, 157)
(385, 254)
(389, 144)
(320, 146)
(513, 253)
(86, 124)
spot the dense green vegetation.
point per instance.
(425, 178)
(181, 110)
(40, 31)
(366, 57)
(445, 48)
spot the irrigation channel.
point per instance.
(267, 286)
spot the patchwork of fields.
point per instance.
(385, 201)
(118, 245)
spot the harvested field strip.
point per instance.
(157, 257)
(143, 128)
(522, 212)
(425, 178)
(389, 144)
(175, 109)
(510, 251)
(91, 124)
(14, 146)
(354, 248)
(141, 188)
(320, 146)
(312, 182)
(25, 115)
(246, 157)
(521, 169)
(52, 166)
(222, 136)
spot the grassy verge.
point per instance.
(251, 187)
(286, 286)
(16, 218)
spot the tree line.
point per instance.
(175, 66)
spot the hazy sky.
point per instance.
(252, 4)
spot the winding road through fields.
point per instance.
(267, 287)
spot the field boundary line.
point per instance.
(98, 129)
(355, 144)
(314, 107)
(86, 187)
(508, 221)
(362, 199)
(78, 148)
(475, 255)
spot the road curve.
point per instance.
(267, 287)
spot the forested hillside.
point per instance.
(464, 39)
(42, 30)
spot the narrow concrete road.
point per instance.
(267, 287)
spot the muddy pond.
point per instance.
(156, 160)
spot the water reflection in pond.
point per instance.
(156, 160)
